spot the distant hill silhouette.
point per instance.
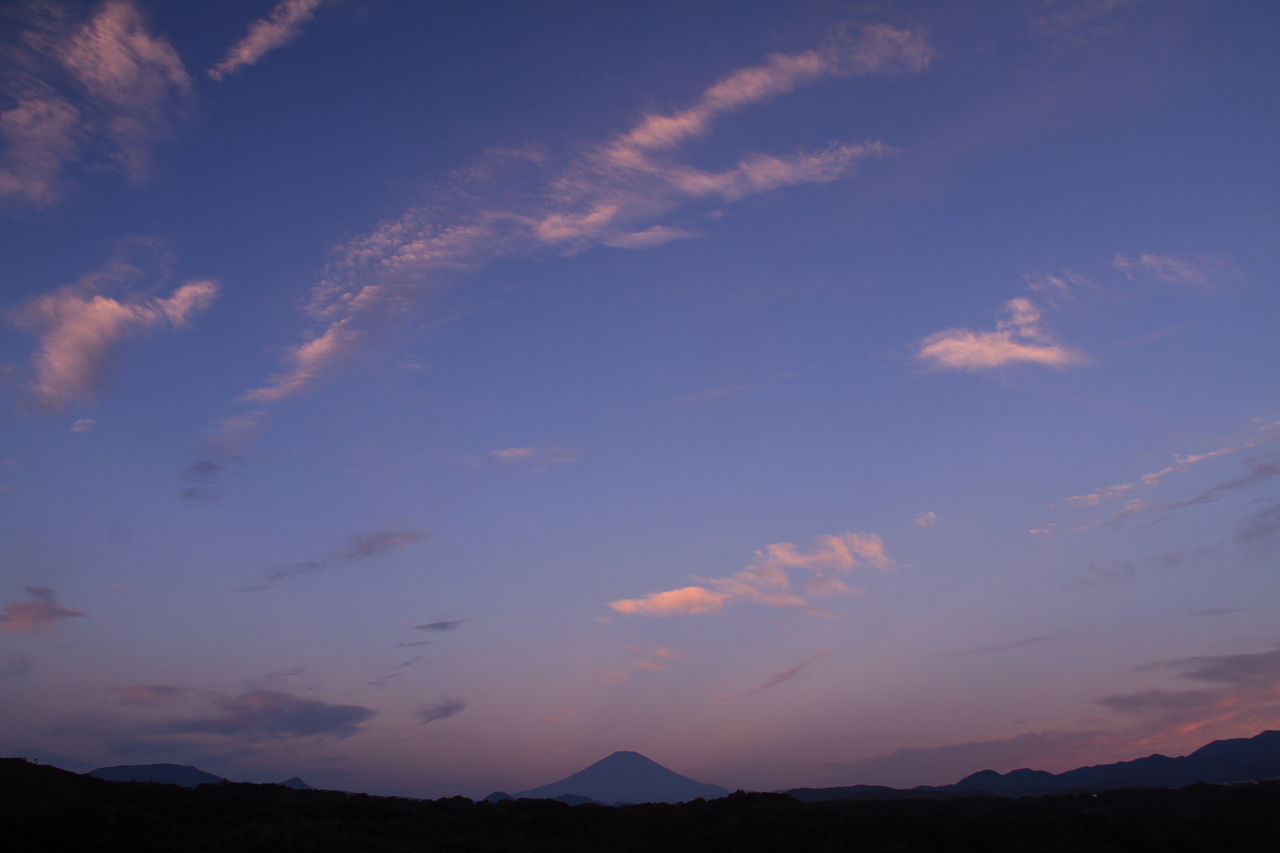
(295, 782)
(1234, 760)
(170, 774)
(43, 808)
(627, 777)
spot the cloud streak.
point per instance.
(38, 616)
(441, 710)
(794, 670)
(768, 581)
(1240, 694)
(610, 195)
(1017, 644)
(1258, 471)
(270, 715)
(357, 547)
(537, 457)
(266, 34)
(449, 625)
(1268, 433)
(1199, 273)
(81, 328)
(92, 91)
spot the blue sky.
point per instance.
(435, 398)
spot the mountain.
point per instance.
(628, 777)
(1233, 760)
(296, 782)
(170, 774)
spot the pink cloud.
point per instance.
(610, 194)
(266, 34)
(1018, 339)
(39, 616)
(80, 329)
(768, 581)
(99, 88)
(852, 49)
(688, 600)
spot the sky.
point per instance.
(433, 399)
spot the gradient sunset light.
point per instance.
(436, 398)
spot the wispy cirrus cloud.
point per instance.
(651, 659)
(1264, 522)
(86, 90)
(1061, 289)
(1200, 273)
(446, 625)
(441, 710)
(1181, 463)
(1004, 647)
(536, 457)
(1257, 472)
(610, 194)
(790, 672)
(1018, 339)
(1258, 469)
(38, 616)
(357, 547)
(1122, 569)
(381, 541)
(266, 34)
(81, 326)
(768, 581)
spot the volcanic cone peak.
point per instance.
(628, 777)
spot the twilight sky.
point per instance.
(434, 398)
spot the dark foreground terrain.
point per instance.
(47, 809)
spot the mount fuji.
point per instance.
(628, 777)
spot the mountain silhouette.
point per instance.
(1222, 761)
(170, 774)
(627, 777)
(296, 782)
(1234, 760)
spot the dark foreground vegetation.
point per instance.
(46, 809)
